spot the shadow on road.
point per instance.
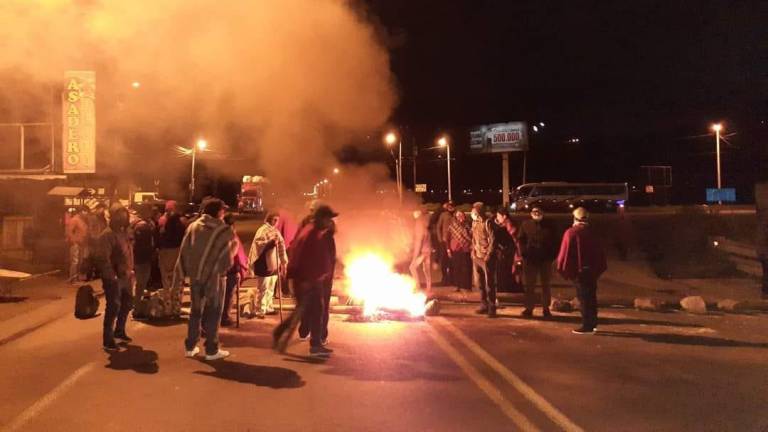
(263, 376)
(575, 319)
(134, 358)
(678, 339)
(163, 322)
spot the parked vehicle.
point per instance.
(251, 196)
(564, 197)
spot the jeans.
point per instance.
(229, 293)
(310, 296)
(117, 293)
(167, 259)
(484, 275)
(586, 291)
(266, 293)
(541, 270)
(503, 271)
(445, 264)
(327, 290)
(207, 302)
(461, 269)
(143, 271)
(422, 262)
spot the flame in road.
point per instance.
(372, 280)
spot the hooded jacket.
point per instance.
(113, 251)
(206, 252)
(580, 251)
(313, 255)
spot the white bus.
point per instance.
(564, 196)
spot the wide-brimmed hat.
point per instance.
(325, 211)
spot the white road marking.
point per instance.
(492, 392)
(527, 391)
(42, 403)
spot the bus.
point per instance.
(251, 196)
(565, 196)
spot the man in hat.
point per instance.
(538, 247)
(311, 266)
(582, 260)
(483, 260)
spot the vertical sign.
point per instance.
(79, 122)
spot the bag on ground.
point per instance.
(86, 302)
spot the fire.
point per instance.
(372, 280)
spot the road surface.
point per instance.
(456, 372)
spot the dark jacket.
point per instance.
(171, 231)
(580, 251)
(144, 241)
(538, 241)
(443, 225)
(113, 254)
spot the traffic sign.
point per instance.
(420, 187)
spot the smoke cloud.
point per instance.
(284, 83)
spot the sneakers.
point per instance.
(220, 354)
(527, 313)
(110, 346)
(492, 313)
(259, 315)
(320, 352)
(123, 336)
(190, 354)
(482, 311)
(583, 331)
(546, 313)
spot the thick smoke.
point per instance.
(283, 83)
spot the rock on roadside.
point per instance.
(694, 304)
(649, 304)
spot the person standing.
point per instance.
(205, 255)
(459, 242)
(268, 260)
(171, 227)
(421, 249)
(538, 247)
(582, 260)
(114, 260)
(237, 273)
(442, 227)
(144, 250)
(78, 238)
(311, 265)
(505, 250)
(483, 259)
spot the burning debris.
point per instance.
(383, 293)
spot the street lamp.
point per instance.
(336, 171)
(443, 142)
(717, 127)
(390, 139)
(201, 145)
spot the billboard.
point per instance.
(718, 195)
(79, 122)
(499, 138)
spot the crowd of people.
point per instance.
(491, 253)
(130, 251)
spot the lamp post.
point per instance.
(717, 127)
(201, 144)
(443, 142)
(390, 139)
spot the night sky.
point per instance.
(637, 82)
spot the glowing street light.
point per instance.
(136, 84)
(390, 139)
(336, 171)
(200, 145)
(443, 142)
(717, 127)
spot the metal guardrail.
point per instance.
(742, 255)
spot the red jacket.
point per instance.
(580, 250)
(313, 255)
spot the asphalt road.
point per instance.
(456, 372)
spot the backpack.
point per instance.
(86, 302)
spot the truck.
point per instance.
(251, 196)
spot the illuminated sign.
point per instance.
(79, 122)
(499, 138)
